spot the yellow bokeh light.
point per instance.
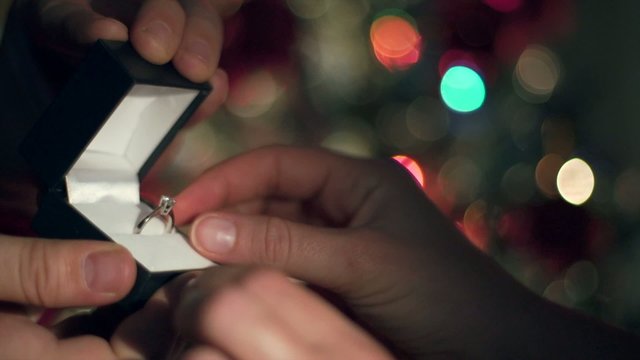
(352, 139)
(575, 181)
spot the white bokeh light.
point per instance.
(575, 181)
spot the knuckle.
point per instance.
(38, 279)
(276, 242)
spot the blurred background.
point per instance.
(518, 118)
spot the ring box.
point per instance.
(95, 143)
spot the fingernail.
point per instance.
(200, 50)
(215, 235)
(104, 270)
(159, 32)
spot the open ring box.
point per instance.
(95, 143)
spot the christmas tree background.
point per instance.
(519, 118)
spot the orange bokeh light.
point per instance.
(475, 225)
(412, 166)
(396, 42)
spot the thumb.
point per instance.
(322, 256)
(59, 273)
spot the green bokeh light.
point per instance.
(462, 89)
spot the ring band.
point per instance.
(164, 211)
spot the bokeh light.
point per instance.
(308, 9)
(537, 72)
(557, 293)
(413, 167)
(392, 127)
(547, 173)
(462, 89)
(460, 179)
(254, 94)
(575, 181)
(518, 183)
(475, 225)
(456, 57)
(352, 137)
(395, 40)
(427, 119)
(195, 149)
(504, 6)
(336, 55)
(581, 281)
(348, 143)
(627, 192)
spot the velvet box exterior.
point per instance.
(95, 143)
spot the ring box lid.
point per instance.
(93, 111)
(102, 134)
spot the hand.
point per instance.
(187, 32)
(54, 274)
(193, 43)
(362, 229)
(242, 313)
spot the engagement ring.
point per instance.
(164, 211)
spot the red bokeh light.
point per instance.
(396, 42)
(413, 167)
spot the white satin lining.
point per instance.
(103, 184)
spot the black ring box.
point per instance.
(95, 143)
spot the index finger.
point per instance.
(338, 184)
